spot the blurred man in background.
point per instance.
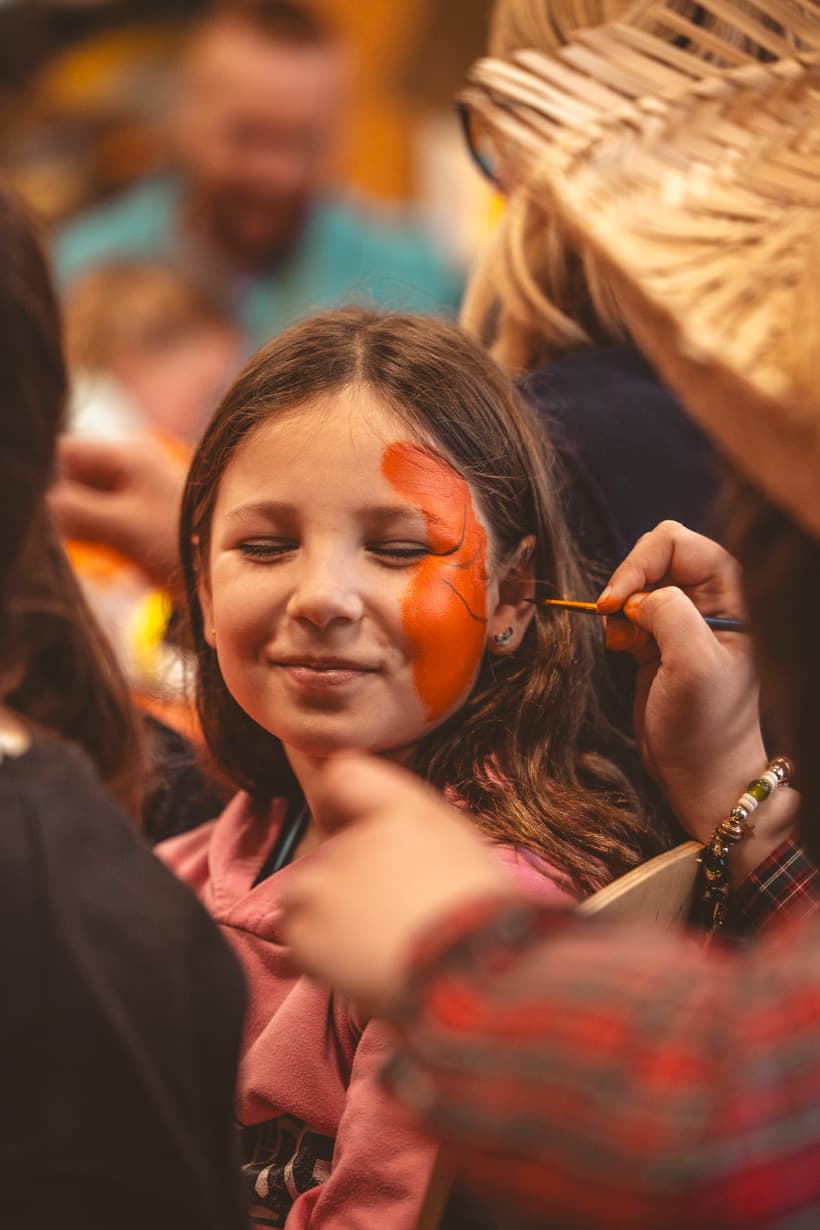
(252, 136)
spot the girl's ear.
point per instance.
(511, 618)
(203, 589)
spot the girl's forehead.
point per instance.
(353, 423)
(349, 450)
(350, 445)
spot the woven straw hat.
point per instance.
(546, 24)
(684, 157)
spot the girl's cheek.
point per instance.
(444, 605)
(239, 615)
(448, 639)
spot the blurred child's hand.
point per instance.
(125, 496)
(402, 860)
(696, 706)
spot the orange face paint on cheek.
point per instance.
(444, 606)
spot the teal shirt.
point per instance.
(344, 255)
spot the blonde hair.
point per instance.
(531, 297)
(128, 305)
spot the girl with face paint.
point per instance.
(363, 523)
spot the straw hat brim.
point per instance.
(701, 201)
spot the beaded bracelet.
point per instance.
(713, 901)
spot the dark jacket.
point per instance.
(631, 455)
(121, 1021)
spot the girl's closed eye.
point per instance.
(266, 550)
(399, 553)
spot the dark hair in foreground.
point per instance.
(67, 679)
(60, 671)
(528, 751)
(32, 378)
(781, 580)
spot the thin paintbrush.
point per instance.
(716, 622)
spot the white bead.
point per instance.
(748, 801)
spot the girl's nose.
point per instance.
(324, 595)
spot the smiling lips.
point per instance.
(321, 673)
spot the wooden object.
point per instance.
(659, 891)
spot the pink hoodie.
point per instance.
(323, 1146)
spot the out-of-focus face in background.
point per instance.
(256, 130)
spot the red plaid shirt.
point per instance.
(610, 1076)
(787, 883)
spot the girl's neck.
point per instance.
(306, 769)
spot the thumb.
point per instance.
(354, 787)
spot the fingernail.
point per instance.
(604, 595)
(632, 604)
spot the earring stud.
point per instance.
(503, 638)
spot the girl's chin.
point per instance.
(317, 746)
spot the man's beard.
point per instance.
(222, 221)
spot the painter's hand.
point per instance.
(402, 860)
(696, 710)
(125, 496)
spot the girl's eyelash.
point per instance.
(400, 552)
(274, 550)
(265, 550)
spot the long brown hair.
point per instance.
(528, 751)
(32, 378)
(781, 581)
(65, 674)
(60, 670)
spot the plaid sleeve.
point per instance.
(786, 883)
(602, 1074)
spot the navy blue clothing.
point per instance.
(180, 794)
(632, 456)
